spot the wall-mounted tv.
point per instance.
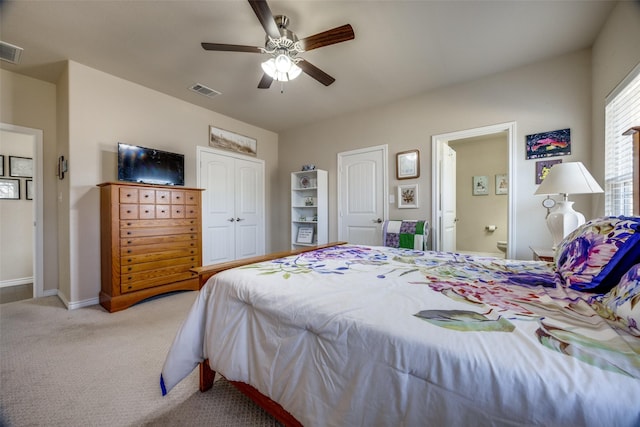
(149, 166)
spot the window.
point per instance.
(622, 113)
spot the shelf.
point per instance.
(304, 188)
(304, 222)
(309, 187)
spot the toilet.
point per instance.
(502, 245)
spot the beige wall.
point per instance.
(485, 156)
(615, 54)
(545, 96)
(104, 110)
(31, 103)
(16, 217)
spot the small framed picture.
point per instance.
(502, 183)
(408, 196)
(480, 185)
(21, 167)
(543, 167)
(1, 165)
(305, 235)
(29, 189)
(9, 189)
(408, 164)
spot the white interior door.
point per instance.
(448, 196)
(362, 195)
(218, 208)
(233, 211)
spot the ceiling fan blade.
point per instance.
(316, 72)
(262, 11)
(230, 47)
(265, 82)
(329, 37)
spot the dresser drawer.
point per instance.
(135, 241)
(128, 211)
(128, 195)
(159, 223)
(192, 197)
(177, 197)
(163, 197)
(158, 256)
(157, 281)
(155, 265)
(158, 247)
(157, 231)
(147, 195)
(157, 273)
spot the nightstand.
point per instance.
(543, 254)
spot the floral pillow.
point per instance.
(622, 304)
(597, 254)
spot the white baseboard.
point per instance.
(16, 282)
(72, 305)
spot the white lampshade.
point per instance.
(565, 179)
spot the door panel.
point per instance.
(448, 195)
(362, 195)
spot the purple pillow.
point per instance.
(597, 254)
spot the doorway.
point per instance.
(34, 138)
(445, 224)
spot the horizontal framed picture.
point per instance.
(231, 141)
(9, 189)
(21, 167)
(480, 185)
(549, 144)
(305, 235)
(408, 196)
(408, 164)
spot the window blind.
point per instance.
(621, 113)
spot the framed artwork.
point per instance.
(502, 183)
(231, 141)
(1, 165)
(480, 185)
(408, 196)
(408, 164)
(549, 144)
(21, 167)
(29, 189)
(305, 235)
(543, 167)
(9, 189)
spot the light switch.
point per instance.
(392, 199)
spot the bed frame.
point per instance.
(207, 375)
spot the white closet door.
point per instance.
(233, 213)
(249, 202)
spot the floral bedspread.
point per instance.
(456, 339)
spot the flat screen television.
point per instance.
(149, 166)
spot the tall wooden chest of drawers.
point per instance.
(150, 238)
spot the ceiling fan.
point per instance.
(284, 47)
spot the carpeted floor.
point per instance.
(90, 367)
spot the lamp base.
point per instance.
(563, 220)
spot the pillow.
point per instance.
(624, 301)
(597, 254)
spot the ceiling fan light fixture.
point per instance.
(282, 74)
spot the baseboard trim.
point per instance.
(16, 282)
(72, 305)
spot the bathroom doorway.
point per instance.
(480, 233)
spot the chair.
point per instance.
(408, 233)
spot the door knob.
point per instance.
(239, 219)
(377, 221)
(231, 219)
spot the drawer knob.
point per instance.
(129, 224)
(163, 211)
(129, 260)
(128, 242)
(129, 269)
(129, 251)
(128, 211)
(146, 196)
(178, 211)
(146, 211)
(129, 278)
(128, 232)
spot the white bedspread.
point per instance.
(362, 336)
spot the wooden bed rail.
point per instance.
(205, 272)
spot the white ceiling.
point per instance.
(401, 48)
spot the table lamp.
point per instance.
(565, 179)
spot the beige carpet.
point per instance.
(88, 367)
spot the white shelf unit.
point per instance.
(309, 208)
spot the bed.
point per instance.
(351, 335)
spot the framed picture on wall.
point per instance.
(1, 165)
(21, 167)
(408, 164)
(29, 189)
(408, 196)
(502, 183)
(480, 185)
(549, 144)
(543, 167)
(9, 189)
(231, 141)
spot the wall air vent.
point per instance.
(203, 90)
(10, 53)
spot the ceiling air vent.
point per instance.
(203, 90)
(10, 53)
